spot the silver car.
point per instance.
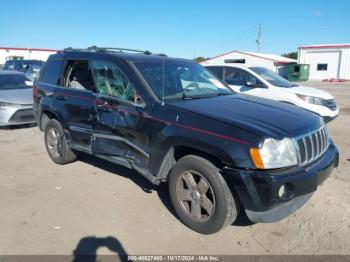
(16, 99)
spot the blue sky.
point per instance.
(182, 28)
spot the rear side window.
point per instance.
(51, 72)
(78, 75)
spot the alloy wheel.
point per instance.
(54, 142)
(195, 195)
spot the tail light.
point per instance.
(35, 92)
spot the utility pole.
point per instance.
(259, 39)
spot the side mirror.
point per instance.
(251, 82)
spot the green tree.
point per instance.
(292, 55)
(199, 59)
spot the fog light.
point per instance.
(282, 191)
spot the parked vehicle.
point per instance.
(16, 100)
(30, 67)
(173, 121)
(262, 82)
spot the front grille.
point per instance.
(312, 146)
(331, 104)
(22, 116)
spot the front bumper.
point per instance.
(326, 113)
(16, 115)
(328, 119)
(258, 190)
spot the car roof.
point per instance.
(228, 65)
(148, 58)
(8, 72)
(128, 56)
(25, 60)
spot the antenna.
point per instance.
(163, 64)
(259, 39)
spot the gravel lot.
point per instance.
(92, 205)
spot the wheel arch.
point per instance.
(183, 150)
(45, 117)
(176, 152)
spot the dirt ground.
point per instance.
(93, 205)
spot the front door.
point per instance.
(120, 126)
(238, 80)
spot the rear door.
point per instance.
(73, 100)
(121, 128)
(44, 89)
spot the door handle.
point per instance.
(104, 106)
(61, 97)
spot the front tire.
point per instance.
(201, 196)
(56, 144)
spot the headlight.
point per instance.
(311, 99)
(274, 154)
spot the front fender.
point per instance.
(230, 153)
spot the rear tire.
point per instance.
(201, 196)
(56, 144)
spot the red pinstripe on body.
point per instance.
(207, 132)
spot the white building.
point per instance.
(275, 63)
(326, 61)
(7, 53)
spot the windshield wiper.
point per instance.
(183, 96)
(204, 96)
(224, 94)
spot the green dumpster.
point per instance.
(298, 72)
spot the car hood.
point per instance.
(260, 116)
(17, 96)
(311, 91)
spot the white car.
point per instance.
(262, 82)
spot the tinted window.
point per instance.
(217, 70)
(110, 81)
(14, 81)
(51, 73)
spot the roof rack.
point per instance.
(105, 49)
(146, 52)
(71, 49)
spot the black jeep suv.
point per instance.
(173, 121)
